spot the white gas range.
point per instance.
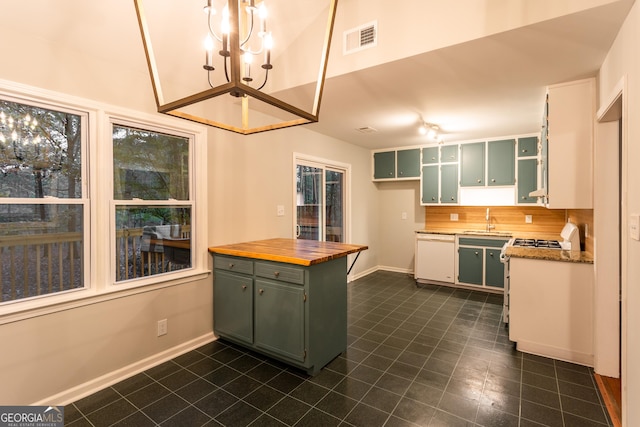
(571, 242)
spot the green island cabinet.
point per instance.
(479, 262)
(294, 313)
(396, 164)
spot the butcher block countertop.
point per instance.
(291, 251)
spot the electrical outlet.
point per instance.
(453, 217)
(162, 327)
(528, 219)
(404, 215)
(280, 210)
(586, 231)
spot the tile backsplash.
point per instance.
(544, 222)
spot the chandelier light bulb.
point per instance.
(422, 130)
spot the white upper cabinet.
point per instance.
(571, 112)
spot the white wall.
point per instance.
(397, 235)
(623, 60)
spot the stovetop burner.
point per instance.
(537, 243)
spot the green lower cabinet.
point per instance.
(527, 180)
(430, 184)
(279, 321)
(494, 269)
(233, 305)
(479, 262)
(470, 265)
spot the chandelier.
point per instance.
(246, 83)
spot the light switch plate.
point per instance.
(634, 227)
(404, 215)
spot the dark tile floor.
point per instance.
(417, 356)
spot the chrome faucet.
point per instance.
(488, 218)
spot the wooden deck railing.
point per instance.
(40, 264)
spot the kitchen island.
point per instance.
(285, 298)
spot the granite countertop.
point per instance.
(291, 251)
(517, 252)
(549, 255)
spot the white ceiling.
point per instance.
(494, 86)
(488, 87)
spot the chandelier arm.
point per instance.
(226, 70)
(242, 43)
(212, 32)
(266, 76)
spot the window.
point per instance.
(43, 200)
(320, 200)
(153, 203)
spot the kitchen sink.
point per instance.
(488, 233)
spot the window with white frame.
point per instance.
(44, 203)
(153, 201)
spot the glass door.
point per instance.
(320, 202)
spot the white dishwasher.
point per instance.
(435, 257)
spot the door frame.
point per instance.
(324, 164)
(614, 108)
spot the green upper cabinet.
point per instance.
(449, 154)
(501, 162)
(449, 183)
(396, 164)
(527, 179)
(429, 155)
(384, 165)
(472, 164)
(408, 163)
(430, 184)
(528, 147)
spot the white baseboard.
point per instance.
(78, 392)
(556, 353)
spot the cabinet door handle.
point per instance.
(260, 291)
(433, 199)
(451, 197)
(524, 197)
(433, 158)
(231, 265)
(493, 180)
(479, 181)
(524, 150)
(390, 173)
(490, 253)
(276, 273)
(476, 252)
(244, 287)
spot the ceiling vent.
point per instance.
(362, 37)
(367, 129)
